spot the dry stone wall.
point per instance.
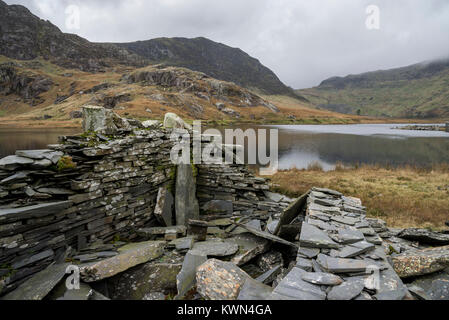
(87, 188)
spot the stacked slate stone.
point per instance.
(29, 177)
(341, 257)
(88, 188)
(224, 191)
(233, 190)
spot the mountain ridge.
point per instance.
(416, 91)
(24, 36)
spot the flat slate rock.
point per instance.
(250, 246)
(268, 236)
(269, 276)
(215, 248)
(304, 264)
(340, 265)
(186, 279)
(425, 236)
(294, 288)
(321, 278)
(308, 252)
(39, 285)
(347, 236)
(312, 237)
(356, 249)
(130, 256)
(348, 290)
(346, 220)
(254, 290)
(391, 295)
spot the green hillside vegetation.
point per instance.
(417, 91)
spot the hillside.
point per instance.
(416, 91)
(40, 93)
(215, 59)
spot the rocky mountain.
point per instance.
(215, 59)
(416, 91)
(24, 36)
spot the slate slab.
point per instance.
(40, 285)
(215, 248)
(322, 278)
(254, 290)
(130, 256)
(340, 265)
(348, 290)
(293, 287)
(312, 237)
(186, 279)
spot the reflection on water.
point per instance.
(29, 139)
(301, 146)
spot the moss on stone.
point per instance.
(65, 163)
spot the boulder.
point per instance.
(186, 203)
(414, 263)
(219, 280)
(101, 120)
(130, 256)
(173, 121)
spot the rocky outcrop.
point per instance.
(24, 36)
(26, 85)
(187, 81)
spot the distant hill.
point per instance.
(417, 91)
(215, 59)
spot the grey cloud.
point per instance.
(302, 41)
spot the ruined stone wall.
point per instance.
(224, 191)
(87, 188)
(95, 187)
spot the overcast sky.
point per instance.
(302, 41)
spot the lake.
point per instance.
(302, 145)
(328, 145)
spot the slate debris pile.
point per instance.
(341, 257)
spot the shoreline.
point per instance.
(67, 124)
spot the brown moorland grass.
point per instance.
(403, 197)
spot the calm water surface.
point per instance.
(302, 145)
(29, 139)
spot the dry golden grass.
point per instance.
(404, 197)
